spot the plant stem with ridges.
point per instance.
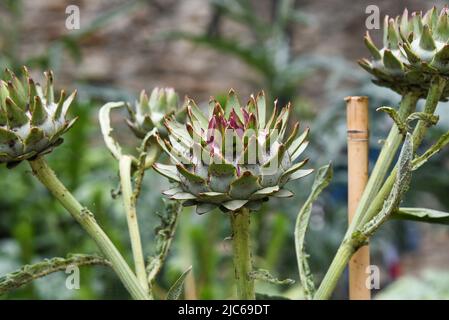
(129, 202)
(240, 224)
(86, 219)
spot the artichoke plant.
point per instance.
(31, 121)
(149, 112)
(414, 50)
(234, 157)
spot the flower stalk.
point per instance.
(419, 133)
(86, 219)
(129, 202)
(383, 163)
(240, 224)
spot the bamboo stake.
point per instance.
(358, 134)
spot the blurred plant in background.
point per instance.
(269, 49)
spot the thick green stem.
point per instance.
(418, 135)
(373, 198)
(338, 265)
(86, 219)
(240, 224)
(129, 202)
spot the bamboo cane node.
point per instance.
(358, 135)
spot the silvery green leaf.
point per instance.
(434, 149)
(322, 180)
(422, 215)
(175, 291)
(106, 128)
(264, 275)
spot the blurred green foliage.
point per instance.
(429, 285)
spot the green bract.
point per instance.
(31, 121)
(414, 50)
(148, 113)
(234, 157)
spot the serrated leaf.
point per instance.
(176, 289)
(41, 269)
(322, 179)
(164, 238)
(264, 275)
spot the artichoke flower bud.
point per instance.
(31, 121)
(414, 50)
(233, 157)
(149, 112)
